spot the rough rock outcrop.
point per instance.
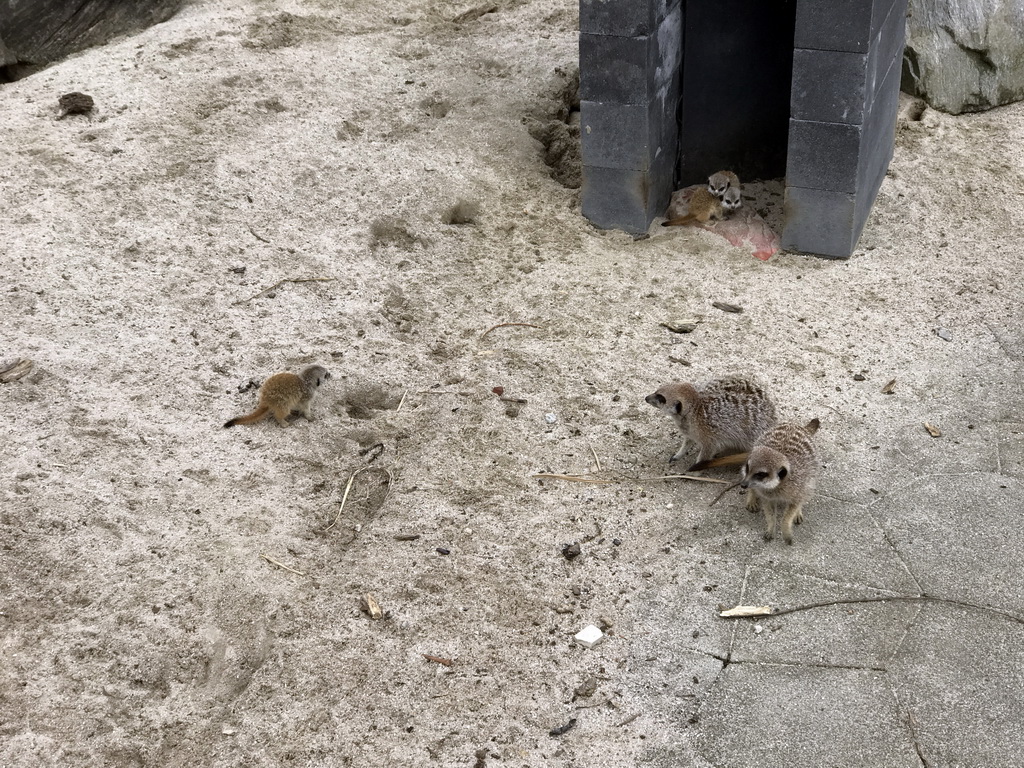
(34, 33)
(965, 55)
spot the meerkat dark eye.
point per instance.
(760, 475)
(783, 472)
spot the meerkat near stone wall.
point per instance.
(718, 415)
(731, 200)
(284, 393)
(703, 207)
(779, 476)
(722, 181)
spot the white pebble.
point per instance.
(589, 636)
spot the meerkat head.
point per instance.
(731, 199)
(315, 375)
(677, 399)
(763, 470)
(718, 183)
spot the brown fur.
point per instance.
(703, 206)
(718, 415)
(779, 476)
(720, 181)
(284, 393)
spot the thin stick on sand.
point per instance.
(279, 283)
(279, 564)
(508, 325)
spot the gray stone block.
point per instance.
(632, 70)
(616, 135)
(887, 45)
(832, 26)
(828, 86)
(823, 155)
(616, 69)
(819, 221)
(838, 86)
(618, 198)
(627, 18)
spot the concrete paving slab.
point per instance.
(862, 635)
(959, 675)
(797, 716)
(960, 535)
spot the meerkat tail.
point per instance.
(259, 413)
(732, 460)
(812, 426)
(682, 221)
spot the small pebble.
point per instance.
(758, 629)
(943, 334)
(858, 377)
(589, 636)
(443, 551)
(550, 418)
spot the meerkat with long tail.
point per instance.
(702, 207)
(284, 393)
(718, 415)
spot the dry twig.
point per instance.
(279, 564)
(437, 659)
(506, 325)
(572, 478)
(279, 283)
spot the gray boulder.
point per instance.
(34, 33)
(965, 55)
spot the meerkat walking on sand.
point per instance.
(779, 476)
(284, 393)
(703, 207)
(718, 415)
(722, 181)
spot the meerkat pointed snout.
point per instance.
(717, 415)
(284, 393)
(779, 476)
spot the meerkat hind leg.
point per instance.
(281, 414)
(793, 513)
(769, 521)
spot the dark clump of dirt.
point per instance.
(391, 230)
(557, 127)
(462, 212)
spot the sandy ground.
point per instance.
(174, 593)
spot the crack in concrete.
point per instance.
(843, 584)
(894, 548)
(911, 725)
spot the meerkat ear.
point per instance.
(783, 472)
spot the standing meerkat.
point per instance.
(722, 181)
(718, 415)
(703, 207)
(779, 476)
(284, 393)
